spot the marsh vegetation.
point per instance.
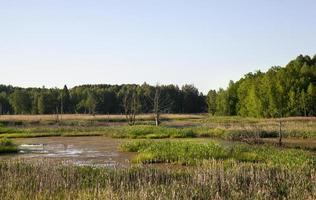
(186, 157)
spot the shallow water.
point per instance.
(83, 151)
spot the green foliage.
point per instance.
(6, 142)
(90, 103)
(21, 102)
(192, 153)
(222, 103)
(279, 92)
(135, 146)
(311, 99)
(154, 132)
(48, 102)
(96, 99)
(211, 101)
(5, 106)
(180, 152)
(65, 100)
(7, 146)
(193, 101)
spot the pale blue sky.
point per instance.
(205, 43)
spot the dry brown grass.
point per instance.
(216, 180)
(93, 117)
(289, 124)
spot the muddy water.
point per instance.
(83, 151)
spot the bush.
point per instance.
(7, 146)
(6, 142)
(269, 134)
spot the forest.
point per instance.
(279, 92)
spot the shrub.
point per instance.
(7, 146)
(6, 142)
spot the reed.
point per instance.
(213, 180)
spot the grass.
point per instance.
(249, 135)
(174, 125)
(188, 168)
(213, 180)
(191, 153)
(7, 146)
(86, 119)
(153, 132)
(295, 127)
(133, 132)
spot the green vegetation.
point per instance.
(223, 180)
(153, 132)
(168, 166)
(133, 132)
(250, 130)
(7, 146)
(288, 91)
(279, 92)
(193, 153)
(171, 161)
(97, 99)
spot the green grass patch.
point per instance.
(190, 153)
(153, 132)
(9, 130)
(7, 146)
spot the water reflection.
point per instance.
(81, 151)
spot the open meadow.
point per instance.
(195, 156)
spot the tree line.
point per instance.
(101, 99)
(279, 92)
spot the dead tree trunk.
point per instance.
(57, 115)
(280, 133)
(131, 104)
(161, 104)
(61, 108)
(156, 106)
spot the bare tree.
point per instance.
(131, 104)
(1, 109)
(280, 124)
(161, 104)
(280, 132)
(61, 107)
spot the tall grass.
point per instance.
(83, 118)
(298, 127)
(214, 180)
(133, 132)
(7, 146)
(250, 130)
(190, 153)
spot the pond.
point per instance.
(82, 151)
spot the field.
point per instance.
(187, 157)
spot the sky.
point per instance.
(202, 42)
